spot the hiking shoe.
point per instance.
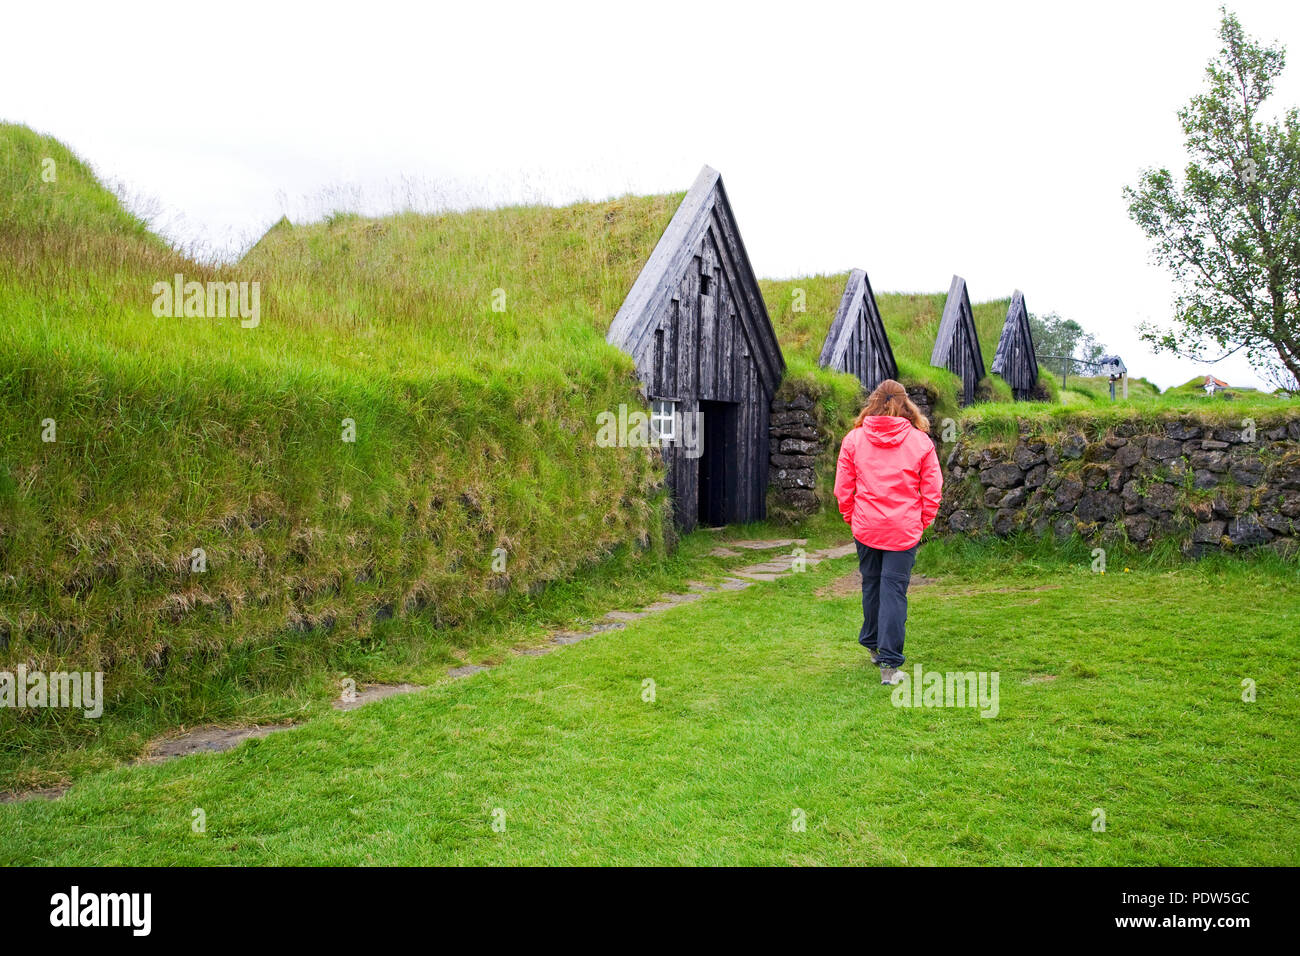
(891, 676)
(875, 655)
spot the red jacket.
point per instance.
(888, 483)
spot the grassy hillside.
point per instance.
(1195, 388)
(49, 190)
(1092, 389)
(474, 431)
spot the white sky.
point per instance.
(911, 139)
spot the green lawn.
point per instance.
(1120, 692)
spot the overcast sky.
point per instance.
(913, 140)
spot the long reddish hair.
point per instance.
(890, 398)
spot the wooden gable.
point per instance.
(857, 342)
(957, 345)
(699, 353)
(699, 334)
(1015, 360)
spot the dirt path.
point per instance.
(851, 583)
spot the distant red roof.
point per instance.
(1220, 383)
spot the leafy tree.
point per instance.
(1230, 230)
(1090, 350)
(1059, 337)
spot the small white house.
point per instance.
(1112, 366)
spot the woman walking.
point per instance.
(888, 485)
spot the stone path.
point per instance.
(372, 693)
(207, 739)
(724, 551)
(788, 563)
(214, 739)
(44, 793)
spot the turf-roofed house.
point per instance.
(1015, 360)
(957, 345)
(857, 342)
(704, 348)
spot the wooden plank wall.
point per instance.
(1015, 360)
(956, 346)
(871, 353)
(964, 359)
(962, 363)
(857, 342)
(701, 351)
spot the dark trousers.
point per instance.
(885, 576)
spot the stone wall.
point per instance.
(924, 400)
(797, 439)
(1210, 487)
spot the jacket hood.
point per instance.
(886, 430)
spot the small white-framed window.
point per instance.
(663, 420)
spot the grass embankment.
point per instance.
(1196, 386)
(474, 431)
(1145, 412)
(1111, 697)
(1095, 390)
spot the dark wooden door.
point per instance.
(719, 482)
